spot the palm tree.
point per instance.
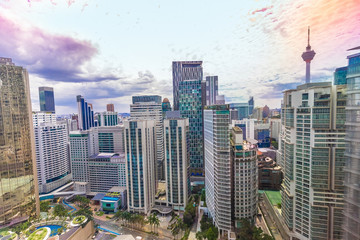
(156, 221)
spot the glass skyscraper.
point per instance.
(351, 224)
(190, 106)
(46, 97)
(86, 114)
(18, 188)
(185, 70)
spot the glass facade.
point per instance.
(190, 106)
(18, 193)
(351, 223)
(46, 97)
(86, 114)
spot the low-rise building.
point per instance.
(270, 174)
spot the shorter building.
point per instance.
(270, 174)
(113, 200)
(245, 177)
(262, 134)
(82, 187)
(43, 117)
(106, 170)
(166, 106)
(275, 127)
(107, 119)
(220, 99)
(110, 107)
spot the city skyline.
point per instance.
(121, 55)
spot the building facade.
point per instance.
(244, 178)
(177, 171)
(18, 188)
(43, 117)
(166, 106)
(270, 174)
(244, 109)
(211, 89)
(217, 166)
(312, 151)
(151, 109)
(107, 139)
(85, 113)
(110, 107)
(190, 106)
(107, 170)
(140, 153)
(351, 224)
(80, 151)
(46, 99)
(52, 158)
(184, 70)
(107, 119)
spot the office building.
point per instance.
(275, 127)
(265, 111)
(233, 115)
(217, 166)
(151, 109)
(177, 171)
(312, 151)
(340, 76)
(220, 99)
(106, 170)
(18, 188)
(185, 70)
(166, 106)
(211, 89)
(270, 174)
(86, 114)
(244, 182)
(107, 119)
(46, 99)
(107, 139)
(257, 113)
(43, 117)
(140, 152)
(247, 126)
(110, 107)
(351, 223)
(52, 158)
(244, 109)
(262, 134)
(80, 151)
(190, 106)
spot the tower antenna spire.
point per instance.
(308, 35)
(307, 56)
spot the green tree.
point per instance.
(44, 206)
(60, 211)
(249, 232)
(82, 201)
(211, 234)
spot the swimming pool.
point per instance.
(54, 229)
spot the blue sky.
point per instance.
(111, 50)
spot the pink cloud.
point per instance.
(261, 10)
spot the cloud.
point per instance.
(51, 56)
(261, 10)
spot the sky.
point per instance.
(110, 50)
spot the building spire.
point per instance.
(307, 56)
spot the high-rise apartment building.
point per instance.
(86, 114)
(184, 70)
(80, 151)
(177, 172)
(218, 166)
(312, 151)
(244, 177)
(18, 187)
(351, 225)
(46, 97)
(106, 170)
(52, 158)
(110, 107)
(43, 117)
(190, 106)
(107, 119)
(150, 108)
(211, 89)
(140, 152)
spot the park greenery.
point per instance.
(60, 211)
(208, 230)
(44, 206)
(39, 234)
(135, 220)
(79, 219)
(81, 201)
(249, 232)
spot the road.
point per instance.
(112, 226)
(270, 221)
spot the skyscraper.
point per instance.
(80, 151)
(140, 155)
(184, 70)
(312, 151)
(52, 158)
(18, 187)
(211, 89)
(351, 224)
(107, 119)
(190, 106)
(46, 97)
(86, 113)
(166, 106)
(176, 162)
(245, 177)
(150, 108)
(217, 166)
(110, 107)
(244, 109)
(308, 56)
